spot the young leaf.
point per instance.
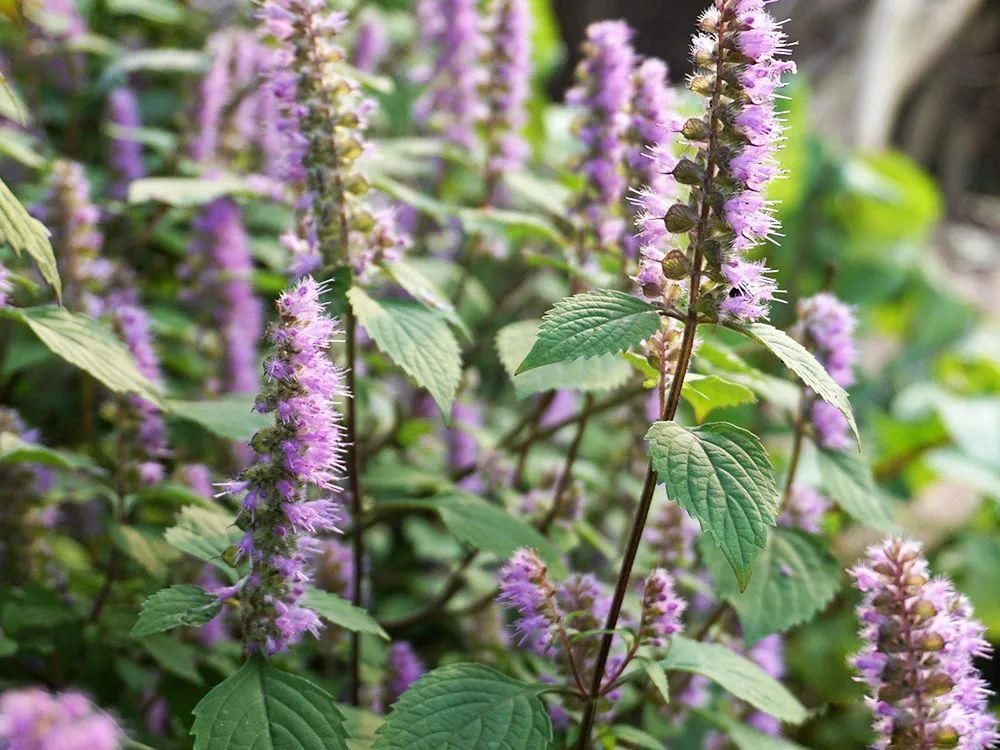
(25, 233)
(710, 392)
(416, 339)
(341, 612)
(795, 578)
(848, 481)
(514, 341)
(721, 475)
(174, 606)
(654, 670)
(603, 321)
(230, 417)
(491, 528)
(737, 675)
(84, 342)
(262, 708)
(467, 707)
(800, 361)
(205, 534)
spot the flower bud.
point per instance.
(680, 218)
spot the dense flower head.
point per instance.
(451, 33)
(920, 643)
(403, 668)
(525, 587)
(149, 445)
(508, 87)
(671, 535)
(804, 509)
(219, 272)
(69, 212)
(463, 443)
(35, 719)
(287, 492)
(604, 92)
(739, 59)
(826, 326)
(661, 609)
(126, 151)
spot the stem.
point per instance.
(669, 412)
(567, 473)
(354, 483)
(793, 461)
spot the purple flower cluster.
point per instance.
(604, 90)
(150, 434)
(34, 719)
(302, 451)
(371, 44)
(826, 326)
(450, 31)
(525, 587)
(403, 668)
(738, 57)
(221, 264)
(126, 151)
(671, 535)
(804, 509)
(661, 609)
(918, 659)
(507, 88)
(73, 218)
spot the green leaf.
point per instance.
(710, 392)
(262, 708)
(744, 737)
(341, 612)
(426, 292)
(657, 676)
(26, 234)
(800, 361)
(92, 347)
(21, 147)
(186, 191)
(154, 61)
(635, 738)
(514, 341)
(467, 707)
(146, 549)
(157, 11)
(737, 675)
(416, 339)
(231, 417)
(721, 475)
(174, 656)
(174, 606)
(11, 104)
(205, 534)
(603, 321)
(491, 528)
(848, 481)
(14, 449)
(795, 578)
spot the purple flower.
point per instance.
(403, 668)
(334, 564)
(920, 643)
(804, 509)
(826, 326)
(525, 587)
(463, 445)
(769, 654)
(371, 44)
(5, 286)
(302, 451)
(661, 609)
(34, 719)
(507, 89)
(604, 91)
(126, 152)
(221, 259)
(148, 445)
(671, 536)
(451, 104)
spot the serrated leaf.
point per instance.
(231, 417)
(603, 321)
(26, 234)
(800, 361)
(186, 191)
(721, 475)
(149, 551)
(205, 534)
(342, 613)
(467, 707)
(416, 339)
(425, 291)
(848, 481)
(737, 675)
(175, 606)
(89, 345)
(491, 528)
(710, 392)
(262, 708)
(795, 577)
(514, 341)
